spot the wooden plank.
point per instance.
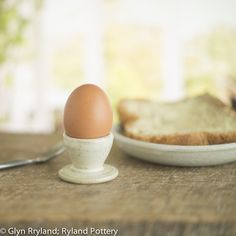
(145, 199)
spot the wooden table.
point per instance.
(145, 199)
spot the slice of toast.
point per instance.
(201, 120)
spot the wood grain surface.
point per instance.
(145, 199)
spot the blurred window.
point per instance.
(162, 50)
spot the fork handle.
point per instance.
(15, 163)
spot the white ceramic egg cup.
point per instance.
(88, 157)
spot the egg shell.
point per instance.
(88, 113)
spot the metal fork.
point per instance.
(41, 158)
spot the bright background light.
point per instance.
(162, 50)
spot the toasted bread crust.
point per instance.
(198, 138)
(192, 138)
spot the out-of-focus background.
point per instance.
(157, 49)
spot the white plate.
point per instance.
(176, 155)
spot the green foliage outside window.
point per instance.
(211, 62)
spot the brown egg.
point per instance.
(88, 113)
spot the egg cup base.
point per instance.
(72, 174)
